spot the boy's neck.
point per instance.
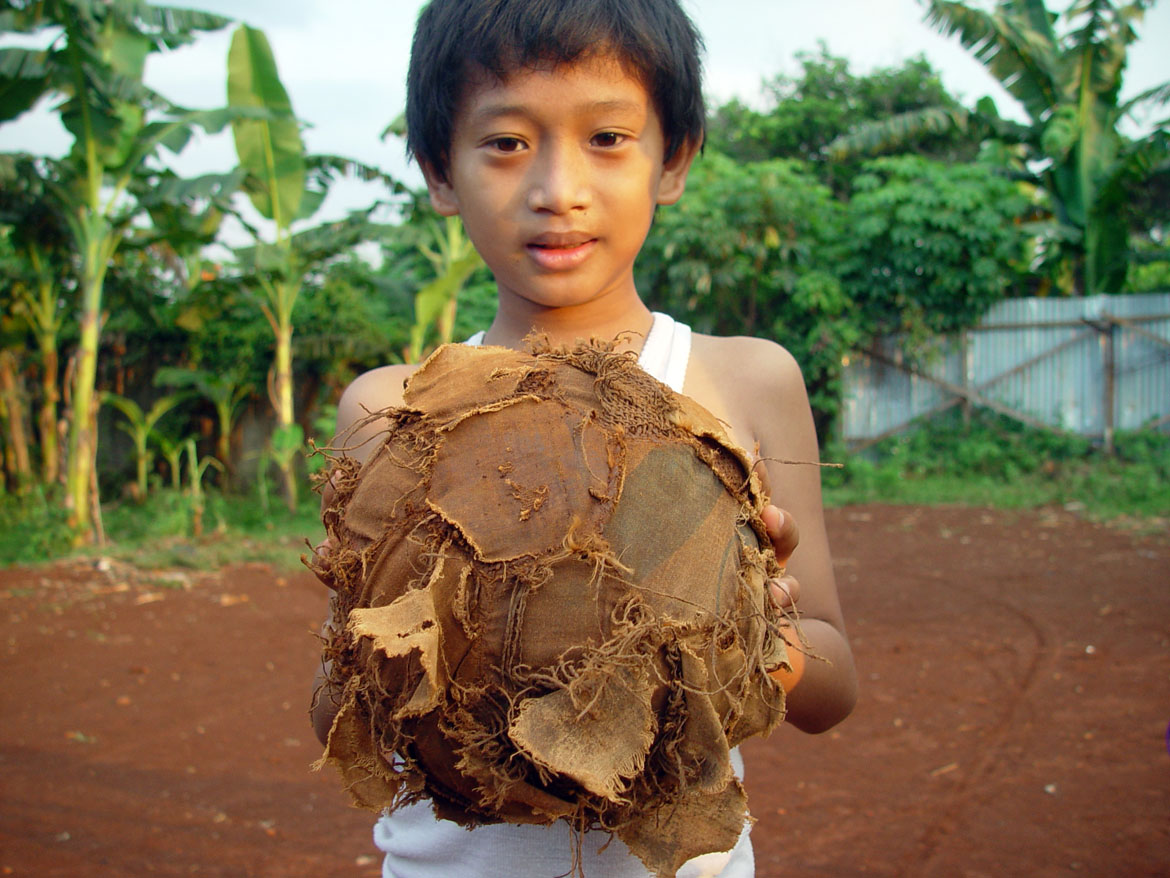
(597, 319)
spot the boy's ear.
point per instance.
(439, 188)
(674, 173)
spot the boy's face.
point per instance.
(556, 173)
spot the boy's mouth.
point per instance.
(557, 252)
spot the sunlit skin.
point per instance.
(556, 174)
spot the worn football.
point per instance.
(551, 602)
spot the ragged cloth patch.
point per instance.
(551, 603)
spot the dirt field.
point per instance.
(1012, 721)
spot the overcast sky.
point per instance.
(344, 63)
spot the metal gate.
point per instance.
(1089, 366)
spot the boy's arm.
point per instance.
(326, 699)
(826, 690)
(371, 392)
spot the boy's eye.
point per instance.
(507, 144)
(608, 139)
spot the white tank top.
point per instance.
(665, 352)
(418, 845)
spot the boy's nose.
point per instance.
(559, 182)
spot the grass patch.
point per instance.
(157, 532)
(994, 461)
(987, 461)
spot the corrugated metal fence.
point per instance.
(1088, 365)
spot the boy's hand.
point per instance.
(785, 591)
(784, 534)
(321, 553)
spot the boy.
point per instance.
(554, 129)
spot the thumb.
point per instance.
(782, 531)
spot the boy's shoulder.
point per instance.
(754, 386)
(745, 361)
(370, 392)
(377, 389)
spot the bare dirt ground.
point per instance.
(1012, 720)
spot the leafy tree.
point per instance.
(1150, 270)
(220, 323)
(1068, 82)
(95, 64)
(745, 253)
(932, 245)
(803, 114)
(351, 316)
(1147, 214)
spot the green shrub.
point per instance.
(992, 460)
(33, 527)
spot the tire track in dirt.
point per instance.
(974, 787)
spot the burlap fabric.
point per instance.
(551, 603)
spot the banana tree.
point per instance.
(196, 467)
(1071, 149)
(186, 215)
(226, 391)
(139, 426)
(94, 64)
(273, 155)
(12, 409)
(285, 186)
(278, 275)
(172, 452)
(38, 235)
(454, 259)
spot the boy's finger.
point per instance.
(318, 563)
(785, 591)
(782, 530)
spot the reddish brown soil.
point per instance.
(1012, 720)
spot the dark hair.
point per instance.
(455, 39)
